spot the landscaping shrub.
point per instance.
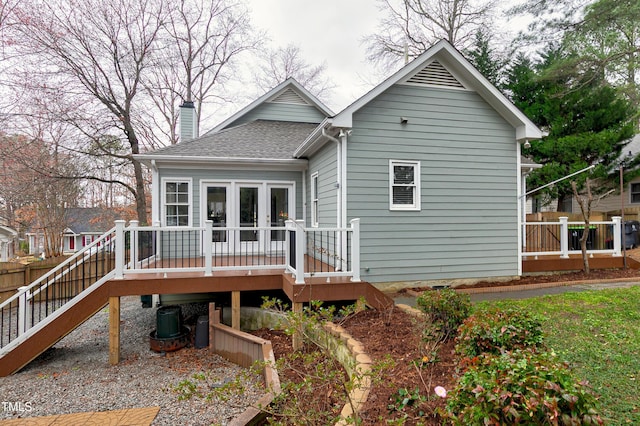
(520, 387)
(446, 309)
(495, 330)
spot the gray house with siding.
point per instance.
(428, 160)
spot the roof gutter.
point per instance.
(308, 146)
(150, 160)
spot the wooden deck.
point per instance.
(235, 282)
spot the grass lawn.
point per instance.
(598, 334)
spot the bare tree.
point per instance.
(99, 50)
(411, 26)
(203, 39)
(33, 195)
(279, 64)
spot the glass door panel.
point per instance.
(279, 211)
(248, 213)
(217, 211)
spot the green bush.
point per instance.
(495, 330)
(520, 387)
(446, 309)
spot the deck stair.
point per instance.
(42, 313)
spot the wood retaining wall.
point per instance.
(245, 350)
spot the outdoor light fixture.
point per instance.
(527, 145)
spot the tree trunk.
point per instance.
(583, 246)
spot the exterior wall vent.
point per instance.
(435, 74)
(289, 96)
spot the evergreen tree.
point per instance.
(587, 121)
(485, 58)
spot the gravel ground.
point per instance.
(75, 376)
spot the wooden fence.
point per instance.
(15, 275)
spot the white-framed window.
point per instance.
(176, 202)
(404, 185)
(314, 199)
(634, 192)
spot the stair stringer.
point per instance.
(52, 329)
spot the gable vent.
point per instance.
(289, 96)
(435, 74)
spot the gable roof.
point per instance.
(289, 91)
(260, 139)
(458, 70)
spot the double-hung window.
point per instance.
(314, 199)
(176, 202)
(635, 192)
(404, 185)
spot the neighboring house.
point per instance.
(8, 243)
(429, 160)
(83, 226)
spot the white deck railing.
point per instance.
(304, 252)
(562, 238)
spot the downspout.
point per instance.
(304, 195)
(155, 194)
(339, 238)
(519, 206)
(338, 177)
(343, 184)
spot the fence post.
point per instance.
(617, 236)
(22, 310)
(133, 243)
(208, 240)
(564, 237)
(355, 249)
(119, 269)
(301, 237)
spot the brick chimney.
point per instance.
(188, 122)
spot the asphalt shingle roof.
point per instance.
(256, 139)
(90, 220)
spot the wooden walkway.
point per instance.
(128, 417)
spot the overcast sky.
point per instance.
(328, 31)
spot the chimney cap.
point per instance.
(187, 104)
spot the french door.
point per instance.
(255, 206)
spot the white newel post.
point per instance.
(355, 249)
(133, 243)
(289, 226)
(156, 237)
(301, 237)
(208, 240)
(564, 237)
(22, 310)
(119, 270)
(617, 236)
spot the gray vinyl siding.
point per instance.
(198, 175)
(467, 225)
(282, 112)
(324, 162)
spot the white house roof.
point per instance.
(456, 64)
(280, 89)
